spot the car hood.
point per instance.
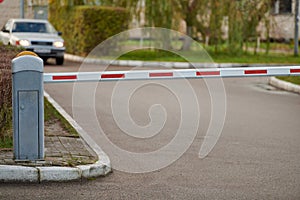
(37, 36)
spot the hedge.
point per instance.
(84, 27)
(7, 54)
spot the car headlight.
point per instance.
(58, 44)
(23, 43)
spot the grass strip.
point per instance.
(50, 113)
(291, 79)
(222, 57)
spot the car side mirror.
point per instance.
(59, 33)
(5, 31)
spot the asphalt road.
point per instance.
(256, 157)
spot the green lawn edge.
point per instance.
(291, 79)
(221, 57)
(50, 113)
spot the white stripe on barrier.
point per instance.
(171, 74)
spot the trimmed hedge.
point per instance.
(84, 27)
(7, 54)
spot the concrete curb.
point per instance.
(58, 173)
(13, 173)
(10, 173)
(284, 85)
(137, 63)
(102, 166)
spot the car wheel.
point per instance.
(60, 60)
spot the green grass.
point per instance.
(178, 43)
(151, 55)
(6, 129)
(292, 79)
(223, 57)
(6, 126)
(260, 58)
(50, 113)
(6, 142)
(198, 54)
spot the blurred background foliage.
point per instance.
(203, 19)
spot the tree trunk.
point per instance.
(296, 34)
(187, 40)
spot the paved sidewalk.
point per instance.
(61, 149)
(67, 157)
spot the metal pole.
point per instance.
(22, 9)
(296, 36)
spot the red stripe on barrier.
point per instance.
(262, 71)
(68, 77)
(160, 74)
(112, 75)
(294, 70)
(212, 73)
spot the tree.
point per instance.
(73, 2)
(244, 17)
(210, 16)
(200, 16)
(188, 10)
(296, 34)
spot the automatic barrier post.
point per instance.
(28, 107)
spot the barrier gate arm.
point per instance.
(172, 74)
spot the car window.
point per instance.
(7, 26)
(33, 27)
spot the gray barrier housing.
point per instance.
(28, 107)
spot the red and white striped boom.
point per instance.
(172, 74)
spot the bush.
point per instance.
(7, 54)
(84, 27)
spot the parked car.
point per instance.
(34, 35)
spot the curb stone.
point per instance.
(284, 85)
(9, 173)
(103, 166)
(58, 173)
(13, 173)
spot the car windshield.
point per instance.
(33, 27)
